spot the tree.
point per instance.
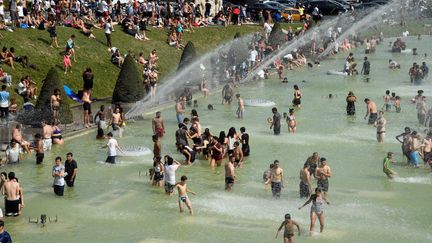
(42, 110)
(238, 51)
(277, 37)
(129, 87)
(188, 56)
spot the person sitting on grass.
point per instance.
(116, 58)
(21, 59)
(5, 77)
(5, 58)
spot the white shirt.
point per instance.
(267, 28)
(252, 55)
(261, 74)
(20, 11)
(112, 144)
(21, 88)
(13, 154)
(107, 28)
(405, 33)
(104, 6)
(289, 56)
(170, 173)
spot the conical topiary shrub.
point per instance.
(238, 51)
(42, 110)
(188, 56)
(277, 37)
(129, 87)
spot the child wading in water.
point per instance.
(183, 197)
(67, 61)
(288, 226)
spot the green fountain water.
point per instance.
(116, 203)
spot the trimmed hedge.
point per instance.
(129, 87)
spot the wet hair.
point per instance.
(323, 159)
(287, 216)
(183, 178)
(11, 175)
(237, 95)
(296, 87)
(109, 134)
(170, 160)
(366, 100)
(271, 166)
(291, 111)
(231, 132)
(70, 153)
(276, 162)
(210, 107)
(194, 112)
(387, 92)
(222, 137)
(242, 129)
(274, 109)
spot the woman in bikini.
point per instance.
(291, 121)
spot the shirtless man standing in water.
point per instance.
(229, 174)
(426, 148)
(240, 109)
(380, 125)
(276, 179)
(158, 125)
(11, 191)
(323, 172)
(371, 111)
(47, 134)
(305, 182)
(116, 119)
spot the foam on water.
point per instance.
(414, 180)
(124, 162)
(134, 151)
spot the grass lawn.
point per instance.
(94, 53)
